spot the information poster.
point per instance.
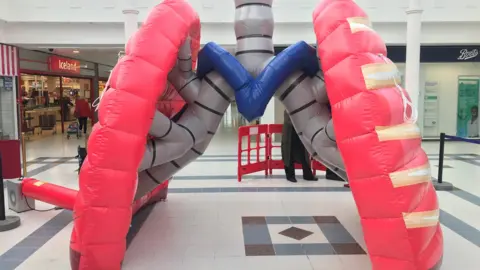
(6, 84)
(467, 109)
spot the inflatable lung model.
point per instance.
(372, 137)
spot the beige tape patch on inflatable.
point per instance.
(421, 219)
(399, 132)
(359, 24)
(381, 75)
(38, 183)
(411, 176)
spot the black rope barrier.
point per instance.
(443, 138)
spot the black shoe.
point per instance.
(332, 176)
(292, 179)
(310, 178)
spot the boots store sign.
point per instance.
(438, 54)
(466, 54)
(63, 65)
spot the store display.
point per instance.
(48, 100)
(7, 108)
(431, 110)
(467, 110)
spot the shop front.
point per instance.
(8, 97)
(449, 88)
(49, 87)
(103, 74)
(10, 150)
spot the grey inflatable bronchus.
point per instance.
(305, 98)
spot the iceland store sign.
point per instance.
(63, 65)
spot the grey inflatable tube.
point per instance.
(178, 143)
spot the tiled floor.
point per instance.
(211, 221)
(297, 235)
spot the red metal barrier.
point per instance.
(262, 141)
(270, 163)
(275, 164)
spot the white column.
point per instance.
(269, 114)
(130, 22)
(412, 67)
(130, 17)
(3, 25)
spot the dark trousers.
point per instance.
(83, 124)
(65, 113)
(307, 170)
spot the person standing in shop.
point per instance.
(82, 112)
(293, 152)
(66, 103)
(472, 127)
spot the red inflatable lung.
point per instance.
(388, 171)
(108, 179)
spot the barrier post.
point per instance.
(440, 158)
(7, 223)
(2, 194)
(24, 155)
(268, 151)
(239, 157)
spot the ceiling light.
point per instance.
(76, 51)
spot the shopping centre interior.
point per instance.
(53, 97)
(207, 167)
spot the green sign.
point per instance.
(467, 109)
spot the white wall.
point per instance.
(223, 10)
(4, 8)
(58, 23)
(112, 34)
(446, 74)
(279, 109)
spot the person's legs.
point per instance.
(64, 114)
(80, 124)
(290, 171)
(330, 175)
(84, 124)
(307, 170)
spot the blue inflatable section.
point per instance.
(253, 94)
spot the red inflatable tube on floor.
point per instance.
(65, 197)
(50, 193)
(152, 197)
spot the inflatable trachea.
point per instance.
(369, 137)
